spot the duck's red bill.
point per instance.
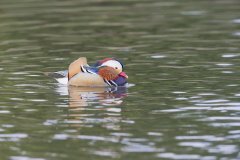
(123, 74)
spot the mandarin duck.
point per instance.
(106, 72)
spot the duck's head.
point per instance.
(115, 64)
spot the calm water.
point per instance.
(182, 58)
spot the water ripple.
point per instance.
(12, 137)
(208, 138)
(24, 158)
(86, 137)
(184, 156)
(237, 21)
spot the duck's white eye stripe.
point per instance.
(113, 63)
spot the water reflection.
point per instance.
(83, 102)
(85, 96)
(90, 107)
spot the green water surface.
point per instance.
(182, 59)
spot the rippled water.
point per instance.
(182, 58)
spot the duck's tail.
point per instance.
(60, 76)
(73, 69)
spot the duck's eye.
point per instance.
(116, 67)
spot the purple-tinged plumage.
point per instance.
(120, 80)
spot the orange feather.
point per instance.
(108, 73)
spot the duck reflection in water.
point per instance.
(86, 96)
(85, 103)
